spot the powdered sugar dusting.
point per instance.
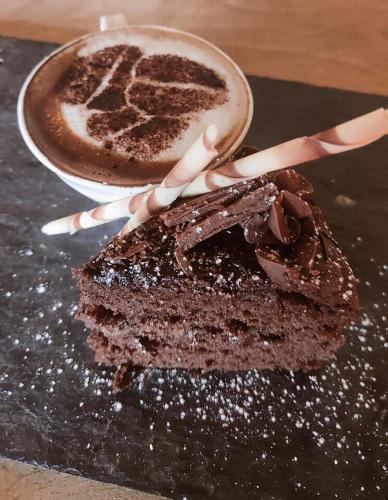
(335, 411)
(332, 417)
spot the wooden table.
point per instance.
(335, 43)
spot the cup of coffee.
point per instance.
(111, 112)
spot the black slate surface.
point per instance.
(237, 436)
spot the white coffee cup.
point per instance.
(99, 191)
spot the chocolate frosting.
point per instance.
(292, 241)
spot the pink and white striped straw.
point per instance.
(350, 135)
(103, 214)
(345, 137)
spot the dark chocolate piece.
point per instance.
(226, 216)
(286, 229)
(295, 205)
(197, 208)
(254, 228)
(289, 180)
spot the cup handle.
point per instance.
(112, 22)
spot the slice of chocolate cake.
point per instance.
(245, 277)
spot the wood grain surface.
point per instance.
(335, 43)
(20, 481)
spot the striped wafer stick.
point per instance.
(196, 158)
(99, 215)
(345, 137)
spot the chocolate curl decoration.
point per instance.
(255, 202)
(196, 158)
(219, 215)
(345, 137)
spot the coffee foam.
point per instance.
(106, 156)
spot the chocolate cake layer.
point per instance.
(245, 277)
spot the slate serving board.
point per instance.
(236, 436)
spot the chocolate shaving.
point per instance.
(285, 228)
(333, 278)
(287, 271)
(285, 237)
(269, 238)
(275, 268)
(193, 210)
(294, 205)
(294, 229)
(254, 228)
(254, 202)
(200, 207)
(289, 180)
(323, 246)
(276, 222)
(314, 223)
(194, 234)
(304, 253)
